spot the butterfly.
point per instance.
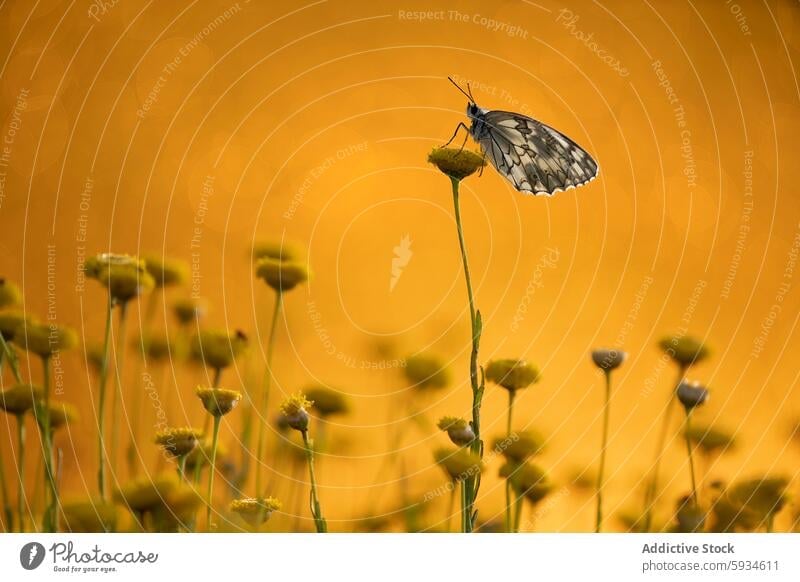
(533, 156)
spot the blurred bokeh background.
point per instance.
(195, 130)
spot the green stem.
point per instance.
(652, 488)
(691, 457)
(511, 394)
(182, 467)
(21, 471)
(518, 511)
(145, 335)
(50, 518)
(8, 354)
(101, 412)
(601, 472)
(8, 514)
(119, 358)
(266, 389)
(472, 484)
(213, 468)
(464, 509)
(316, 509)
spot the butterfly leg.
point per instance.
(483, 165)
(455, 133)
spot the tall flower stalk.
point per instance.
(278, 266)
(457, 164)
(47, 341)
(218, 402)
(607, 360)
(512, 375)
(684, 351)
(125, 278)
(691, 395)
(295, 413)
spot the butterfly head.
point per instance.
(472, 110)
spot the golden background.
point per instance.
(313, 121)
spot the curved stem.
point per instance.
(101, 412)
(601, 472)
(9, 355)
(691, 457)
(316, 509)
(651, 491)
(472, 484)
(21, 472)
(264, 400)
(119, 359)
(212, 469)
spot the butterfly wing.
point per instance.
(533, 156)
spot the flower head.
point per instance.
(424, 371)
(201, 455)
(255, 511)
(12, 321)
(326, 401)
(166, 272)
(124, 276)
(45, 340)
(608, 359)
(692, 394)
(512, 374)
(218, 348)
(519, 446)
(683, 349)
(9, 294)
(20, 398)
(710, 440)
(178, 442)
(282, 275)
(295, 411)
(88, 516)
(218, 401)
(764, 496)
(527, 479)
(281, 250)
(459, 464)
(189, 310)
(61, 414)
(95, 355)
(147, 493)
(178, 507)
(456, 163)
(459, 430)
(156, 346)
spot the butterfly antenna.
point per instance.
(469, 90)
(468, 95)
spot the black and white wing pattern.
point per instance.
(534, 157)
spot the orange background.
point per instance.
(334, 105)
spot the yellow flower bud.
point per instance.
(456, 163)
(282, 275)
